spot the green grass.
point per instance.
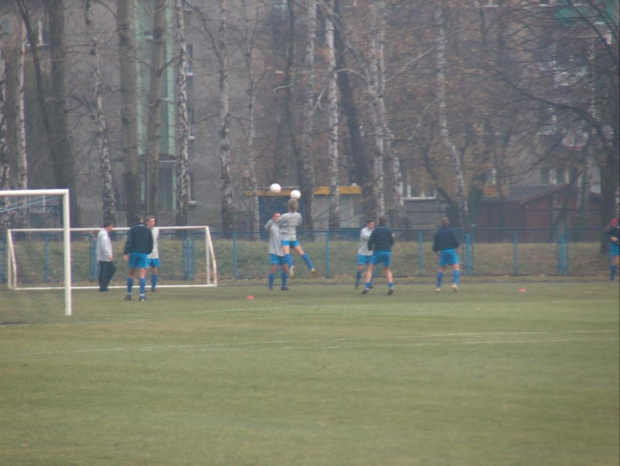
(317, 376)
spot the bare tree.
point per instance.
(101, 128)
(54, 107)
(219, 44)
(125, 18)
(359, 158)
(249, 17)
(20, 112)
(222, 53)
(154, 105)
(332, 115)
(455, 156)
(373, 77)
(183, 133)
(5, 166)
(305, 167)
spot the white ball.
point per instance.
(275, 188)
(295, 194)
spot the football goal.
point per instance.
(186, 255)
(40, 255)
(28, 207)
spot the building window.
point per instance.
(419, 191)
(550, 122)
(190, 59)
(39, 28)
(190, 121)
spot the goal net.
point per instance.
(186, 255)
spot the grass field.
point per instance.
(317, 376)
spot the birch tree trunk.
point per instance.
(154, 105)
(63, 156)
(359, 154)
(5, 167)
(288, 148)
(125, 18)
(54, 106)
(226, 205)
(391, 159)
(101, 129)
(249, 14)
(21, 181)
(182, 163)
(457, 166)
(305, 168)
(332, 115)
(373, 88)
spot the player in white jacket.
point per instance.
(105, 256)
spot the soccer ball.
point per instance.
(295, 194)
(275, 188)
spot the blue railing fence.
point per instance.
(240, 256)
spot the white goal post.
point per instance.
(66, 237)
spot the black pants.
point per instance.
(106, 272)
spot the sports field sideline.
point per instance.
(319, 375)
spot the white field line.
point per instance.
(353, 343)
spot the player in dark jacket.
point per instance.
(446, 245)
(380, 243)
(138, 246)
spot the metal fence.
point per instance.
(513, 253)
(244, 256)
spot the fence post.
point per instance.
(327, 258)
(566, 254)
(468, 256)
(515, 242)
(92, 257)
(46, 254)
(2, 259)
(421, 250)
(561, 253)
(188, 258)
(235, 271)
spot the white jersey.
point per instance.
(288, 224)
(104, 246)
(364, 237)
(155, 252)
(274, 238)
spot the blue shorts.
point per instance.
(274, 259)
(292, 244)
(614, 249)
(363, 260)
(448, 257)
(138, 260)
(153, 263)
(384, 257)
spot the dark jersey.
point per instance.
(445, 238)
(139, 239)
(381, 239)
